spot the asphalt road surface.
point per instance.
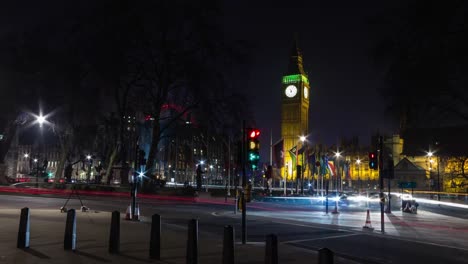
(356, 245)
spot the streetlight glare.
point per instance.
(358, 161)
(35, 160)
(337, 154)
(430, 153)
(88, 157)
(41, 119)
(302, 138)
(26, 155)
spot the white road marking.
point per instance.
(318, 238)
(419, 242)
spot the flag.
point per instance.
(278, 150)
(323, 165)
(293, 156)
(331, 168)
(293, 150)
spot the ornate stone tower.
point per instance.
(295, 93)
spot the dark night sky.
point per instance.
(336, 46)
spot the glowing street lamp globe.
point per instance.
(40, 119)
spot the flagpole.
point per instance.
(271, 158)
(297, 167)
(271, 147)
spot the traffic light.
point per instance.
(253, 147)
(373, 163)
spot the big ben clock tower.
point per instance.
(295, 92)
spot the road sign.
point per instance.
(408, 185)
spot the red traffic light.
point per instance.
(371, 155)
(254, 133)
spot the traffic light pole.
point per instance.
(244, 184)
(382, 199)
(134, 182)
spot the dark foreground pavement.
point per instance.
(93, 228)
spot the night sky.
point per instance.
(336, 43)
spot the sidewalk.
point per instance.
(47, 234)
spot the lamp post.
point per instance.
(37, 172)
(358, 162)
(303, 140)
(430, 154)
(40, 119)
(88, 173)
(337, 157)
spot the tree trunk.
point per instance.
(109, 167)
(3, 179)
(61, 164)
(153, 150)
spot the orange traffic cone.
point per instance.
(368, 225)
(128, 214)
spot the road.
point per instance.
(443, 239)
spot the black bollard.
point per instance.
(271, 249)
(69, 242)
(155, 240)
(114, 238)
(192, 242)
(23, 232)
(228, 245)
(325, 256)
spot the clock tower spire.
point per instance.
(294, 110)
(295, 60)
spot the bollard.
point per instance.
(271, 249)
(325, 256)
(228, 245)
(155, 240)
(23, 232)
(192, 242)
(114, 238)
(69, 242)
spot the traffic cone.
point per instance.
(368, 225)
(128, 214)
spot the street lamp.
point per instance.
(302, 139)
(37, 172)
(337, 158)
(358, 162)
(88, 174)
(430, 154)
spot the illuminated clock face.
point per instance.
(306, 92)
(291, 91)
